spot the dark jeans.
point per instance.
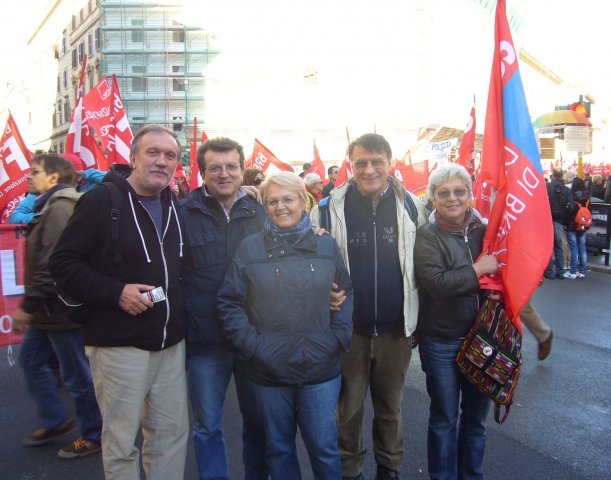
(209, 376)
(380, 364)
(455, 449)
(37, 350)
(312, 408)
(557, 259)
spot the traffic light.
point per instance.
(581, 107)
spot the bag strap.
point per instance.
(324, 216)
(410, 206)
(116, 198)
(497, 413)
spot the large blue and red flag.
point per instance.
(520, 231)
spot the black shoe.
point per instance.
(550, 276)
(385, 473)
(560, 276)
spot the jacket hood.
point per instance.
(69, 193)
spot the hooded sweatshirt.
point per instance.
(86, 266)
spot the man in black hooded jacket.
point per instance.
(134, 339)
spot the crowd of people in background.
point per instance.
(307, 304)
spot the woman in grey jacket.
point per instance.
(274, 304)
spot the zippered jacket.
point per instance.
(449, 287)
(210, 242)
(274, 304)
(86, 266)
(44, 231)
(406, 239)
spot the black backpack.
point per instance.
(559, 203)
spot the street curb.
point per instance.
(599, 268)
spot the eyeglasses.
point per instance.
(286, 201)
(375, 163)
(258, 181)
(445, 194)
(228, 167)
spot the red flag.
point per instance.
(317, 165)
(466, 151)
(263, 159)
(12, 246)
(103, 109)
(79, 139)
(482, 194)
(414, 177)
(195, 179)
(520, 231)
(345, 169)
(13, 168)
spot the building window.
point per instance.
(59, 83)
(178, 84)
(74, 58)
(66, 79)
(81, 51)
(139, 83)
(178, 36)
(73, 22)
(97, 39)
(82, 16)
(178, 69)
(64, 46)
(90, 44)
(137, 35)
(66, 110)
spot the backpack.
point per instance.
(583, 218)
(77, 311)
(560, 203)
(325, 216)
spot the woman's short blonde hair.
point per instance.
(287, 180)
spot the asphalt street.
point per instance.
(559, 428)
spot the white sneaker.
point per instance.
(569, 275)
(581, 275)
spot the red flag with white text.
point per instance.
(520, 231)
(466, 151)
(12, 266)
(13, 168)
(263, 159)
(79, 140)
(103, 109)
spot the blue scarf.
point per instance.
(289, 236)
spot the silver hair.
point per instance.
(311, 179)
(445, 173)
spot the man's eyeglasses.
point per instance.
(375, 163)
(286, 201)
(229, 168)
(445, 194)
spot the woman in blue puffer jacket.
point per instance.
(274, 304)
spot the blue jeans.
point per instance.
(38, 347)
(209, 376)
(454, 452)
(579, 255)
(313, 408)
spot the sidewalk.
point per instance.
(597, 264)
